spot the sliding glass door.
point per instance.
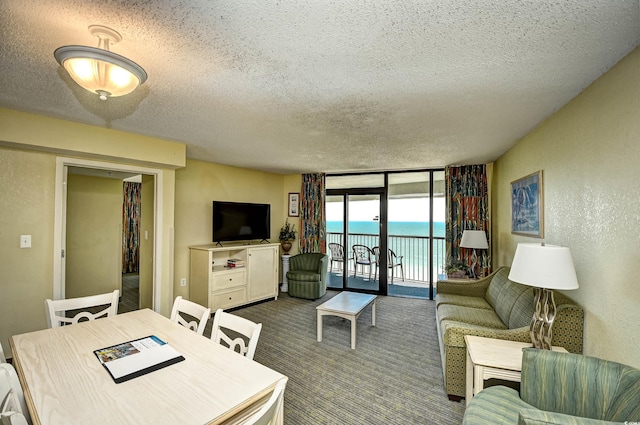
(386, 231)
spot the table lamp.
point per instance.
(476, 239)
(545, 267)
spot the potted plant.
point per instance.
(456, 269)
(287, 235)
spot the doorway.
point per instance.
(105, 237)
(150, 246)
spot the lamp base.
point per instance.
(543, 318)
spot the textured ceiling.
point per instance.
(304, 86)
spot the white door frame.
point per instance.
(60, 220)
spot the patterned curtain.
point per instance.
(312, 216)
(467, 202)
(131, 227)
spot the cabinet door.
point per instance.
(263, 272)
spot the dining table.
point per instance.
(64, 382)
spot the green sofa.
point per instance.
(494, 307)
(561, 388)
(307, 275)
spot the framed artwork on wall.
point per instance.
(527, 206)
(294, 201)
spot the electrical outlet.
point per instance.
(25, 241)
(183, 281)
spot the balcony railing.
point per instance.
(415, 250)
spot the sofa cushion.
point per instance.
(462, 300)
(522, 310)
(494, 405)
(474, 316)
(496, 285)
(507, 297)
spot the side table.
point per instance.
(285, 269)
(493, 358)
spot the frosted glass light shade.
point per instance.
(100, 71)
(474, 239)
(544, 266)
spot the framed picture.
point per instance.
(294, 203)
(527, 206)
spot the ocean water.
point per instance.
(415, 252)
(396, 228)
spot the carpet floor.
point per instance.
(393, 377)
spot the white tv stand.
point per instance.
(215, 285)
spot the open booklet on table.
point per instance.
(138, 357)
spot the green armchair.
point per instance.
(561, 388)
(307, 275)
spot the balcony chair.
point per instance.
(307, 275)
(184, 310)
(561, 388)
(337, 255)
(393, 261)
(363, 256)
(56, 310)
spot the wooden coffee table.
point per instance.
(347, 305)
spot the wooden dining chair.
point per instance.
(13, 418)
(11, 394)
(268, 414)
(182, 307)
(249, 332)
(89, 308)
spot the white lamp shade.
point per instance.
(474, 239)
(544, 266)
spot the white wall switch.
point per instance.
(146, 235)
(25, 241)
(183, 281)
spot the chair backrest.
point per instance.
(196, 311)
(3, 359)
(14, 418)
(361, 252)
(376, 253)
(579, 385)
(392, 258)
(337, 251)
(56, 310)
(246, 342)
(268, 413)
(11, 395)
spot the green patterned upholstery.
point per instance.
(494, 307)
(463, 300)
(561, 388)
(307, 275)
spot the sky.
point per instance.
(408, 209)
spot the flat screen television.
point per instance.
(238, 221)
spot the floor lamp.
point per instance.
(545, 267)
(476, 239)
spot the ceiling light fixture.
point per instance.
(99, 70)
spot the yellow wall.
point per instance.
(27, 180)
(94, 236)
(198, 185)
(589, 153)
(26, 208)
(292, 183)
(23, 130)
